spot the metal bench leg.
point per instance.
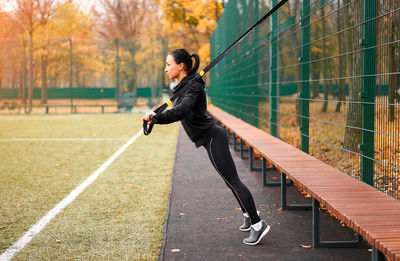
(284, 205)
(264, 176)
(242, 150)
(377, 255)
(317, 243)
(235, 142)
(229, 137)
(251, 154)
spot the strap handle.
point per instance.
(147, 128)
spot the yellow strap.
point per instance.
(202, 73)
(169, 102)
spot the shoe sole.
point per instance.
(261, 237)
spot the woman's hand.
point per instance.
(147, 117)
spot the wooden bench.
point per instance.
(372, 214)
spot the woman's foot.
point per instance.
(246, 222)
(257, 234)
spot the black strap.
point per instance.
(148, 127)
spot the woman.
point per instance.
(191, 109)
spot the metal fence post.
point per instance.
(71, 75)
(305, 72)
(273, 70)
(117, 92)
(367, 95)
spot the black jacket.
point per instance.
(191, 109)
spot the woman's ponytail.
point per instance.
(182, 56)
(196, 64)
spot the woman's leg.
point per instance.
(220, 156)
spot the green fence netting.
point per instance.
(321, 75)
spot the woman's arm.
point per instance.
(178, 112)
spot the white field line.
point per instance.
(67, 139)
(35, 229)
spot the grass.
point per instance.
(118, 217)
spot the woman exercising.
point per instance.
(191, 109)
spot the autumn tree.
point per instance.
(392, 23)
(72, 51)
(125, 20)
(191, 24)
(352, 135)
(32, 14)
(9, 49)
(342, 59)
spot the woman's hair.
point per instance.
(182, 56)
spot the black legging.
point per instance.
(220, 156)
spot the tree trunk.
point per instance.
(342, 64)
(30, 75)
(315, 84)
(324, 63)
(78, 81)
(297, 5)
(352, 135)
(23, 75)
(393, 66)
(44, 79)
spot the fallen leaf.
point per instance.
(276, 204)
(219, 218)
(119, 211)
(3, 227)
(305, 246)
(175, 250)
(117, 221)
(43, 170)
(58, 241)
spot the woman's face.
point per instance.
(173, 69)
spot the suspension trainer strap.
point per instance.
(148, 127)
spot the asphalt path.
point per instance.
(203, 217)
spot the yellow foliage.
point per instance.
(70, 23)
(191, 24)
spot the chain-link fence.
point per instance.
(321, 75)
